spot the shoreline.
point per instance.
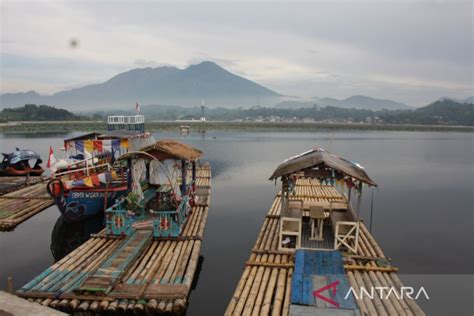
(153, 126)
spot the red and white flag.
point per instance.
(51, 159)
(137, 108)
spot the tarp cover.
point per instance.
(319, 156)
(169, 147)
(21, 155)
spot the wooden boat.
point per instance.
(90, 184)
(21, 163)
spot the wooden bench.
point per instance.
(346, 230)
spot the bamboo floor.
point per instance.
(9, 184)
(132, 274)
(265, 285)
(22, 202)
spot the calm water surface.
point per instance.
(422, 210)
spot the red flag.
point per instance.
(51, 159)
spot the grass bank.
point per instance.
(71, 126)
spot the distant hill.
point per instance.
(442, 112)
(33, 112)
(294, 104)
(163, 85)
(362, 102)
(466, 100)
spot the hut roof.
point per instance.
(319, 156)
(168, 147)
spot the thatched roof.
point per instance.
(168, 148)
(320, 157)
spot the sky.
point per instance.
(408, 51)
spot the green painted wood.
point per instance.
(105, 277)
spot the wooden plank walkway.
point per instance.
(126, 274)
(265, 285)
(22, 203)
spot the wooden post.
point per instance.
(10, 285)
(194, 175)
(284, 195)
(184, 173)
(359, 199)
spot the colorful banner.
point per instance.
(98, 146)
(79, 146)
(124, 143)
(89, 146)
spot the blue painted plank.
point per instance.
(297, 288)
(308, 290)
(299, 261)
(338, 267)
(308, 255)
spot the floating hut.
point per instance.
(146, 257)
(313, 248)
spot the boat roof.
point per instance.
(118, 134)
(165, 149)
(317, 157)
(87, 136)
(21, 155)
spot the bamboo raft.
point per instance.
(137, 273)
(265, 285)
(22, 202)
(9, 184)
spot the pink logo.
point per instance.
(333, 285)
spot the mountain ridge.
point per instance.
(171, 85)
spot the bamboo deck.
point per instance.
(265, 285)
(127, 274)
(22, 202)
(9, 184)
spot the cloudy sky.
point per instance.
(408, 51)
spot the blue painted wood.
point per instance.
(36, 280)
(307, 295)
(297, 288)
(299, 261)
(321, 263)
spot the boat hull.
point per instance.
(15, 172)
(78, 205)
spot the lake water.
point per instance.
(422, 214)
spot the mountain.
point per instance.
(362, 102)
(164, 85)
(20, 98)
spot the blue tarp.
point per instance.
(21, 155)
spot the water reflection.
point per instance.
(68, 236)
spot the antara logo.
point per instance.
(332, 286)
(385, 292)
(382, 292)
